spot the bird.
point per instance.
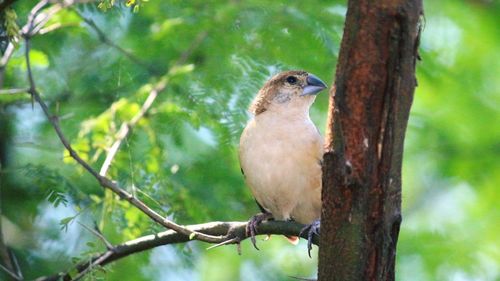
(281, 152)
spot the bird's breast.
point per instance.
(276, 140)
(281, 160)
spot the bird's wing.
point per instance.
(258, 204)
(260, 207)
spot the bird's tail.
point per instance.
(294, 240)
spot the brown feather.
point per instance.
(270, 90)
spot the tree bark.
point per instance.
(369, 110)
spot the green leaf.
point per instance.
(64, 223)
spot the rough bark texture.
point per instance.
(369, 111)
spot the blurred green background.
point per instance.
(182, 158)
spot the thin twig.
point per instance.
(36, 20)
(16, 265)
(126, 127)
(10, 273)
(227, 242)
(302, 278)
(105, 39)
(44, 17)
(195, 44)
(93, 264)
(10, 47)
(39, 19)
(99, 235)
(27, 28)
(14, 91)
(6, 55)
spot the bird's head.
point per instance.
(288, 91)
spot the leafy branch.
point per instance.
(36, 21)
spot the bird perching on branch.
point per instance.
(281, 152)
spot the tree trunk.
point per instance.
(367, 120)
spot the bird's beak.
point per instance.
(314, 85)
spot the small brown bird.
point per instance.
(281, 151)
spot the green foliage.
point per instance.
(181, 157)
(53, 184)
(11, 28)
(108, 4)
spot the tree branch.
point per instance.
(126, 127)
(9, 51)
(232, 230)
(14, 91)
(104, 181)
(36, 20)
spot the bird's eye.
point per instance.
(291, 79)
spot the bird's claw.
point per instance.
(251, 229)
(311, 229)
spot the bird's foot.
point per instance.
(251, 229)
(311, 229)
